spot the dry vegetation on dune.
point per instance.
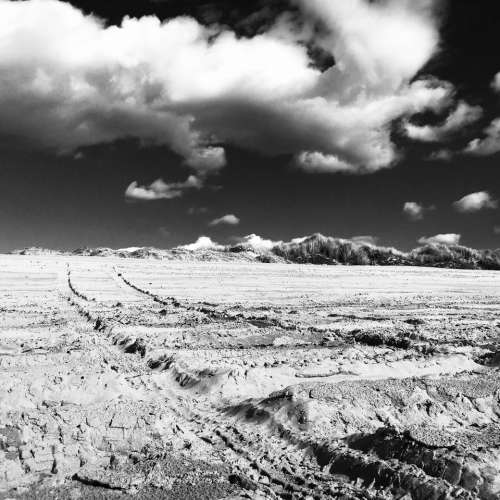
(456, 256)
(315, 249)
(319, 249)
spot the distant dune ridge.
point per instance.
(319, 249)
(314, 249)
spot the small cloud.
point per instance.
(78, 156)
(202, 243)
(257, 242)
(488, 145)
(463, 115)
(155, 191)
(474, 202)
(496, 230)
(321, 163)
(229, 219)
(160, 190)
(366, 239)
(441, 239)
(415, 211)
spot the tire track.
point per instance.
(403, 340)
(197, 424)
(287, 477)
(128, 344)
(213, 313)
(251, 472)
(257, 465)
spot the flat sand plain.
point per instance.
(134, 378)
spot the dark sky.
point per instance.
(58, 200)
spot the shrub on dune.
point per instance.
(319, 249)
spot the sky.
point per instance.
(155, 122)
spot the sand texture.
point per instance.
(128, 378)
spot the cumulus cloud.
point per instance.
(319, 162)
(160, 190)
(157, 190)
(229, 219)
(195, 88)
(414, 210)
(257, 242)
(202, 243)
(488, 145)
(441, 239)
(464, 114)
(474, 202)
(363, 34)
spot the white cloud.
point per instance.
(463, 115)
(355, 136)
(496, 229)
(195, 88)
(490, 144)
(155, 191)
(229, 219)
(495, 84)
(160, 190)
(377, 45)
(415, 211)
(258, 243)
(474, 202)
(202, 243)
(441, 239)
(318, 162)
